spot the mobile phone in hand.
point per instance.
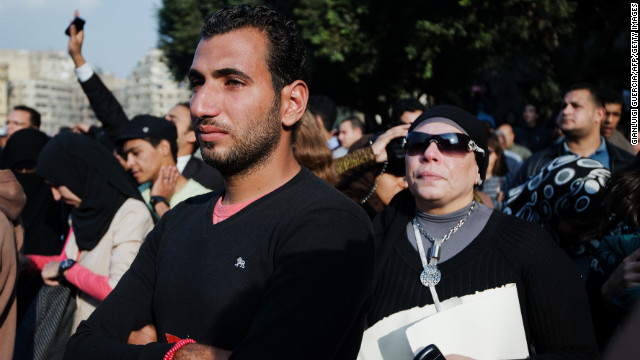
(430, 352)
(78, 22)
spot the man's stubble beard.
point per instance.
(250, 149)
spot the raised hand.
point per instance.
(76, 38)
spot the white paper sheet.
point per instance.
(485, 325)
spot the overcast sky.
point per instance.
(118, 33)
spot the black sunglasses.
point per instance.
(448, 144)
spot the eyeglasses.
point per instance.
(452, 144)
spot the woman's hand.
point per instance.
(50, 273)
(379, 146)
(626, 275)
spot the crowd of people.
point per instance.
(252, 223)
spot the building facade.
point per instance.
(150, 88)
(45, 81)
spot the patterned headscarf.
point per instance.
(568, 187)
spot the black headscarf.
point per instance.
(93, 174)
(24, 147)
(44, 218)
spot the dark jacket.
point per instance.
(113, 118)
(106, 107)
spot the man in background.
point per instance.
(533, 135)
(22, 117)
(350, 130)
(507, 140)
(113, 118)
(582, 113)
(613, 113)
(406, 111)
(326, 112)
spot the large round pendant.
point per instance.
(430, 276)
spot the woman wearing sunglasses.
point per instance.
(436, 242)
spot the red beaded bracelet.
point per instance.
(171, 353)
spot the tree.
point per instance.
(367, 53)
(179, 24)
(379, 51)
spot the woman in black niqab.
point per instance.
(44, 219)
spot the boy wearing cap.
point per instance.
(151, 150)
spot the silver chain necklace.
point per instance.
(430, 275)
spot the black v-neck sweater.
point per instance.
(287, 277)
(508, 250)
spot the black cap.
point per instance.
(465, 122)
(143, 126)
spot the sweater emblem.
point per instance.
(240, 263)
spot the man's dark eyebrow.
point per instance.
(230, 71)
(194, 74)
(127, 151)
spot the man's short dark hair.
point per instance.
(323, 106)
(287, 58)
(400, 106)
(356, 123)
(155, 141)
(595, 92)
(611, 96)
(34, 116)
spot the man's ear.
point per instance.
(191, 137)
(601, 114)
(294, 102)
(164, 147)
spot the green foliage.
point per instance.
(366, 53)
(384, 50)
(334, 30)
(179, 24)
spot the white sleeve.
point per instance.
(84, 72)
